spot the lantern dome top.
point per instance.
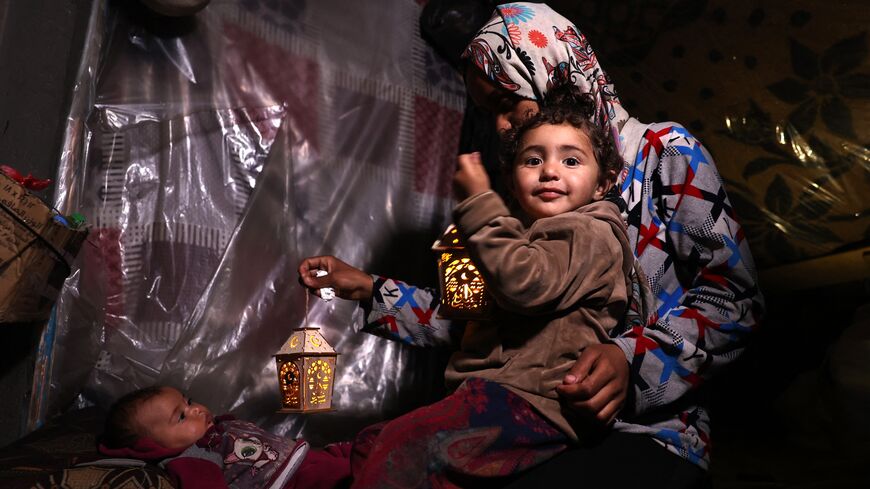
(449, 240)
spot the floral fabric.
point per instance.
(528, 49)
(479, 432)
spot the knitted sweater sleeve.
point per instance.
(697, 260)
(408, 314)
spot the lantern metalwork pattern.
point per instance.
(463, 290)
(306, 372)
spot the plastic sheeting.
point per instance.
(210, 155)
(778, 91)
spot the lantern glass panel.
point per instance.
(463, 284)
(288, 376)
(319, 379)
(463, 290)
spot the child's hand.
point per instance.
(470, 177)
(349, 282)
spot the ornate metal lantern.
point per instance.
(463, 291)
(306, 372)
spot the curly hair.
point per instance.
(121, 429)
(565, 105)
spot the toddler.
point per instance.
(558, 268)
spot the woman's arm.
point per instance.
(706, 297)
(348, 282)
(409, 314)
(393, 309)
(702, 274)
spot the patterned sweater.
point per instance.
(706, 301)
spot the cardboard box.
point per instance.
(36, 253)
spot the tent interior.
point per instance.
(211, 152)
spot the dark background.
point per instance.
(701, 63)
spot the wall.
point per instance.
(40, 46)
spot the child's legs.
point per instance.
(480, 431)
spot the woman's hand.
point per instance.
(470, 177)
(595, 388)
(349, 283)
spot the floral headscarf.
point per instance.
(527, 48)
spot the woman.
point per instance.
(685, 237)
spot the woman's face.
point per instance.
(507, 109)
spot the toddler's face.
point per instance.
(172, 420)
(555, 171)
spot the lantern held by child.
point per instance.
(463, 291)
(306, 372)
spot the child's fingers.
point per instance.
(468, 161)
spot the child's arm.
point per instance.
(560, 262)
(394, 309)
(470, 178)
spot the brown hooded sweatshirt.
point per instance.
(559, 285)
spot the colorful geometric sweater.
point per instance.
(693, 252)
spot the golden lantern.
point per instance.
(306, 372)
(463, 291)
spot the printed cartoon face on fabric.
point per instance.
(173, 420)
(555, 171)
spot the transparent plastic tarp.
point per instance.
(210, 155)
(779, 92)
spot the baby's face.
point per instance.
(555, 171)
(173, 420)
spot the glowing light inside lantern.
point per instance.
(319, 374)
(463, 291)
(306, 369)
(288, 375)
(463, 284)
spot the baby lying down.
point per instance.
(198, 450)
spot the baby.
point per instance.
(161, 425)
